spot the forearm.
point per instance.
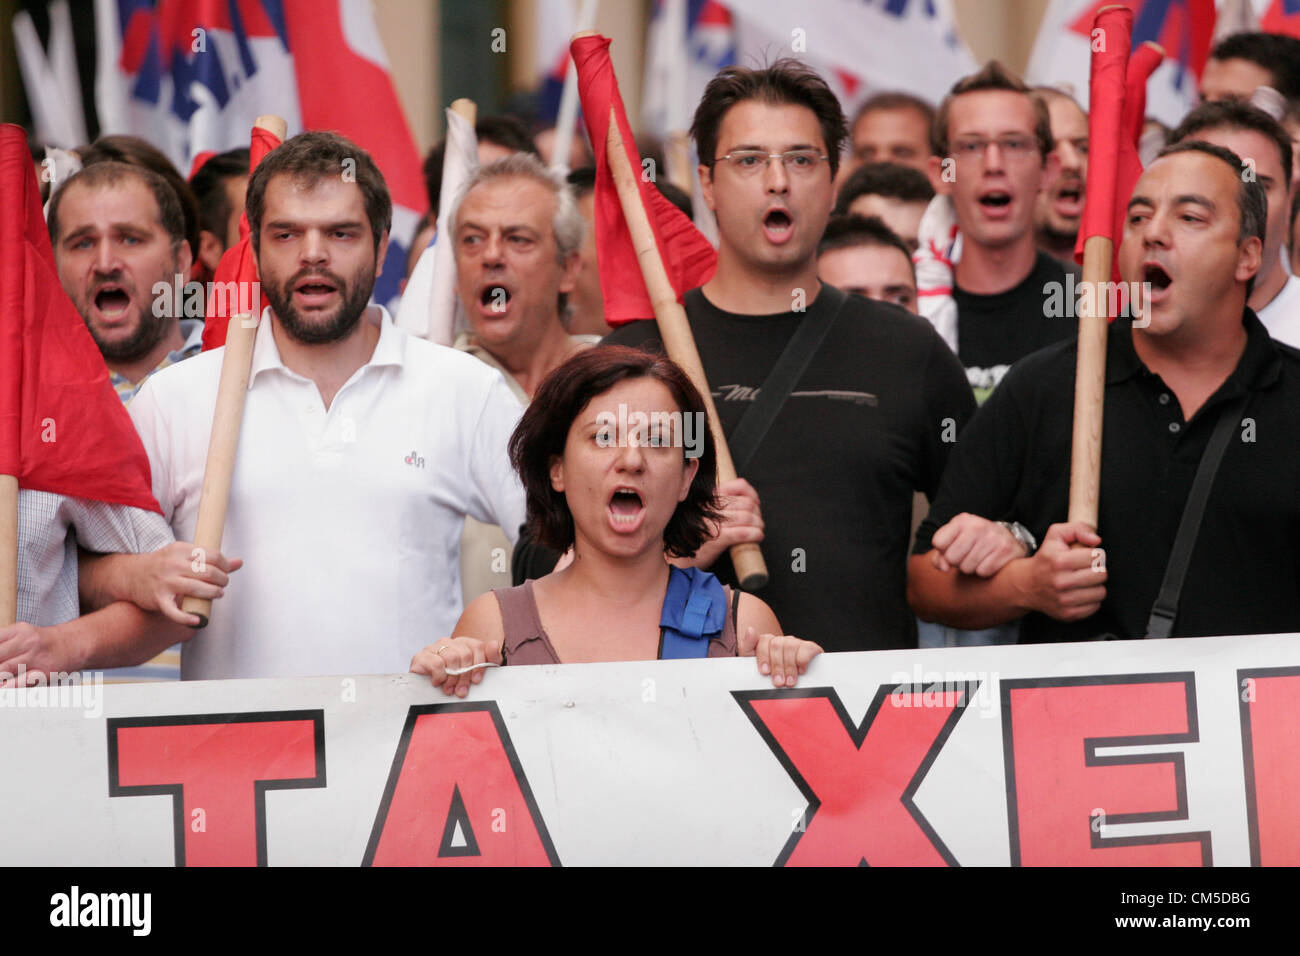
(119, 635)
(967, 601)
(105, 578)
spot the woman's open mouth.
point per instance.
(626, 509)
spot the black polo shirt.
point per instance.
(1013, 463)
(873, 418)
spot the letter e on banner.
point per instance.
(1271, 756)
(1052, 729)
(454, 769)
(221, 764)
(859, 781)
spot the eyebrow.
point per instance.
(290, 224)
(514, 227)
(126, 227)
(757, 146)
(896, 289)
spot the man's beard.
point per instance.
(356, 295)
(1055, 238)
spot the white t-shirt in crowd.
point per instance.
(348, 519)
(1282, 316)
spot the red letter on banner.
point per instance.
(859, 782)
(217, 768)
(1062, 796)
(1270, 713)
(457, 796)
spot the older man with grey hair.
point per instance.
(517, 233)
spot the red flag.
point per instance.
(1117, 96)
(237, 271)
(689, 258)
(62, 427)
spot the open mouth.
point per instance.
(995, 200)
(778, 224)
(1069, 200)
(112, 300)
(495, 298)
(315, 289)
(1155, 275)
(626, 509)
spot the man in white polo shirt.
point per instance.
(363, 449)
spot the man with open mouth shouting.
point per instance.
(362, 448)
(993, 153)
(1060, 203)
(875, 412)
(1197, 395)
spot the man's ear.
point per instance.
(210, 250)
(380, 254)
(936, 167)
(706, 186)
(1250, 254)
(569, 274)
(184, 260)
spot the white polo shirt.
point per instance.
(348, 519)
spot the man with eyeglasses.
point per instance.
(993, 154)
(881, 399)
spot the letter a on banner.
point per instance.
(454, 774)
(859, 781)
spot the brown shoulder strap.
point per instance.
(519, 618)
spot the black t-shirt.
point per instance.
(996, 331)
(1013, 464)
(873, 418)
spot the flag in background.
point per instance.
(688, 257)
(237, 269)
(1185, 28)
(62, 427)
(193, 75)
(1279, 16)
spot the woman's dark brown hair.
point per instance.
(544, 429)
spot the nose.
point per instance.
(778, 180)
(1071, 158)
(312, 250)
(493, 250)
(993, 158)
(631, 456)
(1155, 234)
(106, 259)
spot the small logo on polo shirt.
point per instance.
(414, 460)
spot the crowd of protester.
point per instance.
(399, 504)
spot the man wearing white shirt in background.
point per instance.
(362, 451)
(1265, 148)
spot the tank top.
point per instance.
(526, 641)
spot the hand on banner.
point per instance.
(742, 520)
(1067, 575)
(974, 545)
(456, 662)
(783, 656)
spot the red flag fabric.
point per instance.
(1112, 29)
(235, 286)
(62, 427)
(688, 256)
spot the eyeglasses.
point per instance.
(976, 147)
(747, 162)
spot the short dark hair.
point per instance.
(138, 152)
(1234, 114)
(310, 157)
(785, 81)
(108, 173)
(209, 185)
(582, 181)
(504, 131)
(992, 76)
(848, 232)
(544, 429)
(1252, 203)
(891, 180)
(1275, 52)
(893, 100)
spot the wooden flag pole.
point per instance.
(219, 471)
(675, 330)
(1090, 384)
(8, 549)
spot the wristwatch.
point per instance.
(1021, 534)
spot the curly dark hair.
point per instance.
(543, 431)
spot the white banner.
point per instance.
(1178, 752)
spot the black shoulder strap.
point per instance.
(1165, 611)
(780, 382)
